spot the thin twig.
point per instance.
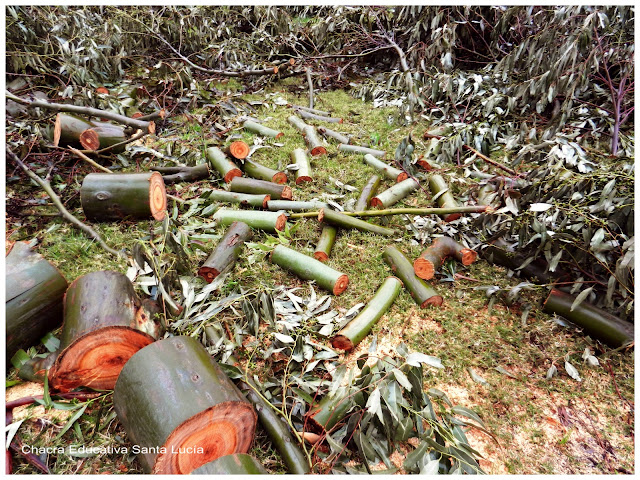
(310, 82)
(89, 161)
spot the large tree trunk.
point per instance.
(115, 196)
(105, 323)
(172, 394)
(442, 248)
(422, 293)
(260, 220)
(388, 171)
(256, 170)
(394, 194)
(68, 128)
(102, 135)
(250, 185)
(34, 297)
(234, 464)
(225, 167)
(227, 251)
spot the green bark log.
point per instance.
(254, 127)
(314, 143)
(405, 211)
(106, 134)
(537, 270)
(300, 159)
(340, 137)
(227, 251)
(321, 118)
(368, 192)
(437, 184)
(256, 170)
(434, 256)
(67, 130)
(251, 185)
(308, 268)
(394, 194)
(294, 206)
(325, 243)
(358, 328)
(311, 110)
(267, 221)
(363, 150)
(172, 175)
(298, 123)
(388, 171)
(234, 464)
(259, 200)
(327, 413)
(221, 163)
(344, 221)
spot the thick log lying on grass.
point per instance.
(344, 221)
(300, 159)
(364, 150)
(103, 135)
(325, 243)
(294, 206)
(422, 293)
(439, 188)
(221, 163)
(298, 123)
(250, 185)
(68, 128)
(368, 192)
(340, 137)
(104, 325)
(237, 149)
(405, 211)
(256, 170)
(172, 394)
(388, 171)
(321, 118)
(308, 268)
(434, 256)
(226, 252)
(596, 322)
(254, 127)
(234, 464)
(394, 194)
(358, 328)
(34, 296)
(114, 196)
(313, 142)
(260, 220)
(172, 175)
(311, 110)
(258, 200)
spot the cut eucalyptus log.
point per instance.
(394, 194)
(34, 290)
(328, 412)
(251, 185)
(422, 293)
(226, 252)
(234, 464)
(321, 118)
(256, 170)
(388, 171)
(68, 128)
(298, 123)
(237, 149)
(340, 137)
(434, 256)
(445, 198)
(368, 192)
(325, 243)
(294, 206)
(311, 110)
(172, 175)
(594, 321)
(358, 328)
(180, 408)
(114, 196)
(308, 268)
(254, 127)
(315, 145)
(104, 325)
(102, 135)
(363, 150)
(300, 159)
(344, 221)
(221, 163)
(260, 220)
(258, 200)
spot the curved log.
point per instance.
(442, 248)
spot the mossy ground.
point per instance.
(540, 426)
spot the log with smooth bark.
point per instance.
(254, 127)
(237, 149)
(315, 145)
(298, 123)
(115, 196)
(226, 252)
(434, 256)
(311, 110)
(358, 328)
(368, 192)
(260, 220)
(34, 292)
(174, 400)
(256, 170)
(363, 150)
(259, 200)
(300, 159)
(340, 137)
(104, 325)
(251, 185)
(406, 211)
(328, 412)
(394, 194)
(221, 163)
(104, 135)
(445, 198)
(68, 128)
(325, 243)
(234, 464)
(594, 321)
(338, 219)
(321, 118)
(172, 175)
(422, 293)
(308, 268)
(385, 169)
(294, 206)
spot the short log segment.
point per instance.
(253, 127)
(68, 128)
(325, 243)
(172, 175)
(313, 142)
(311, 110)
(340, 137)
(221, 163)
(321, 118)
(442, 248)
(363, 150)
(251, 185)
(294, 206)
(34, 298)
(439, 187)
(256, 170)
(258, 200)
(103, 327)
(596, 322)
(234, 464)
(368, 192)
(114, 196)
(300, 159)
(226, 252)
(327, 413)
(308, 268)
(394, 194)
(172, 394)
(237, 149)
(358, 328)
(267, 221)
(388, 171)
(102, 135)
(344, 221)
(422, 293)
(298, 123)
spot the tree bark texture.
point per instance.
(437, 185)
(254, 127)
(234, 464)
(226, 252)
(68, 128)
(388, 171)
(172, 394)
(172, 175)
(338, 219)
(328, 412)
(221, 163)
(434, 256)
(363, 150)
(368, 192)
(260, 220)
(103, 135)
(340, 137)
(294, 206)
(325, 243)
(394, 194)
(258, 200)
(251, 185)
(256, 170)
(300, 159)
(422, 293)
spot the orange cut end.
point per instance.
(137, 115)
(303, 179)
(152, 127)
(423, 268)
(468, 256)
(239, 149)
(57, 130)
(341, 284)
(376, 202)
(434, 301)
(341, 342)
(157, 196)
(321, 256)
(89, 139)
(280, 134)
(281, 222)
(315, 151)
(208, 273)
(340, 121)
(265, 201)
(451, 217)
(231, 174)
(279, 178)
(102, 90)
(287, 193)
(292, 61)
(401, 177)
(321, 215)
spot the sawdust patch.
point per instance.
(33, 389)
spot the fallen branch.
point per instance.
(405, 211)
(310, 82)
(81, 155)
(172, 175)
